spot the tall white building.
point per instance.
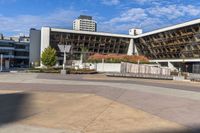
(85, 23)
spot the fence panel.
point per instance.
(144, 69)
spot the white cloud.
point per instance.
(149, 18)
(143, 1)
(116, 2)
(130, 15)
(174, 11)
(134, 17)
(22, 23)
(110, 2)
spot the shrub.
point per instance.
(117, 58)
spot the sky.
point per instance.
(115, 16)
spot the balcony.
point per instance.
(8, 56)
(21, 57)
(7, 48)
(22, 50)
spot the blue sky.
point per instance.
(116, 16)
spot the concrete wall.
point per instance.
(45, 38)
(144, 69)
(131, 48)
(108, 67)
(35, 41)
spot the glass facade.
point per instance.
(16, 53)
(93, 43)
(182, 43)
(174, 44)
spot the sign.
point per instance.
(65, 48)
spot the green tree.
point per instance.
(49, 57)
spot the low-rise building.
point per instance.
(15, 51)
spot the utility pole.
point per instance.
(1, 62)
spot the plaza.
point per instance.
(53, 103)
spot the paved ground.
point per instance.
(91, 104)
(193, 86)
(20, 128)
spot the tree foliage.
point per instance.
(49, 57)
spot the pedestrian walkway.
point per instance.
(110, 104)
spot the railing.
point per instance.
(8, 56)
(145, 76)
(21, 57)
(194, 77)
(7, 48)
(22, 50)
(144, 69)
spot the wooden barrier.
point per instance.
(194, 77)
(144, 69)
(145, 76)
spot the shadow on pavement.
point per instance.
(193, 130)
(13, 107)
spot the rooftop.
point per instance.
(14, 39)
(189, 23)
(177, 26)
(91, 33)
(85, 17)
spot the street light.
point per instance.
(64, 48)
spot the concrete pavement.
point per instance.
(84, 113)
(20, 128)
(177, 106)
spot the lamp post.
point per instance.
(63, 49)
(64, 58)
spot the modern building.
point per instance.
(177, 47)
(15, 51)
(85, 23)
(94, 42)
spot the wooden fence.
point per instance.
(144, 69)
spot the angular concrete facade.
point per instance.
(94, 42)
(177, 45)
(180, 42)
